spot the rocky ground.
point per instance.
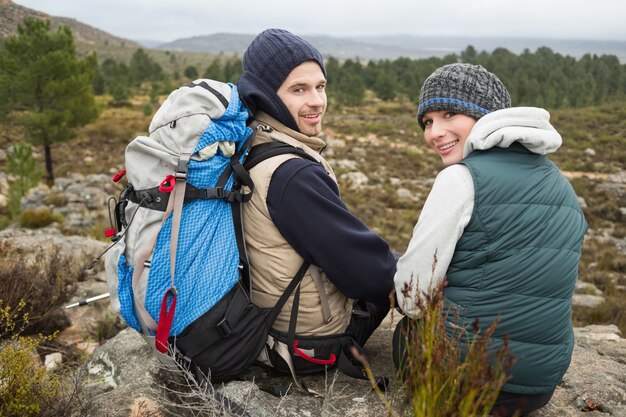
(126, 380)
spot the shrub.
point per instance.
(44, 284)
(107, 327)
(56, 199)
(27, 388)
(438, 380)
(41, 217)
(26, 385)
(4, 222)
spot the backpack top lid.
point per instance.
(190, 119)
(203, 96)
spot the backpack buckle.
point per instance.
(224, 328)
(182, 167)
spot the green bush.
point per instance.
(26, 386)
(4, 222)
(107, 327)
(56, 199)
(42, 217)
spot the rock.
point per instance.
(606, 339)
(355, 179)
(586, 288)
(145, 407)
(82, 200)
(53, 360)
(85, 319)
(405, 194)
(613, 190)
(346, 164)
(594, 381)
(590, 152)
(335, 143)
(619, 177)
(587, 295)
(4, 184)
(586, 300)
(120, 371)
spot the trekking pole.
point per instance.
(89, 300)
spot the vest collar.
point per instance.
(314, 142)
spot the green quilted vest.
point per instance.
(518, 261)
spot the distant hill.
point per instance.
(198, 50)
(394, 46)
(12, 14)
(88, 38)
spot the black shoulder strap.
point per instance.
(263, 151)
(256, 155)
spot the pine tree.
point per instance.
(45, 86)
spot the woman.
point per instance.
(501, 224)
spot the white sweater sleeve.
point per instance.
(445, 214)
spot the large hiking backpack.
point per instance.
(178, 271)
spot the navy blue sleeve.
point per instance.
(304, 204)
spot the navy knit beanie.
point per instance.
(463, 88)
(267, 62)
(274, 53)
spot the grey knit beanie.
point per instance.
(274, 53)
(463, 88)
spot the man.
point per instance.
(296, 214)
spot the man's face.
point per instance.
(304, 94)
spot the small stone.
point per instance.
(404, 194)
(53, 360)
(585, 300)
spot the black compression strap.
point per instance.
(154, 199)
(293, 320)
(287, 293)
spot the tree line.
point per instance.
(543, 78)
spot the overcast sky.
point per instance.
(167, 20)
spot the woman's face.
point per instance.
(446, 132)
